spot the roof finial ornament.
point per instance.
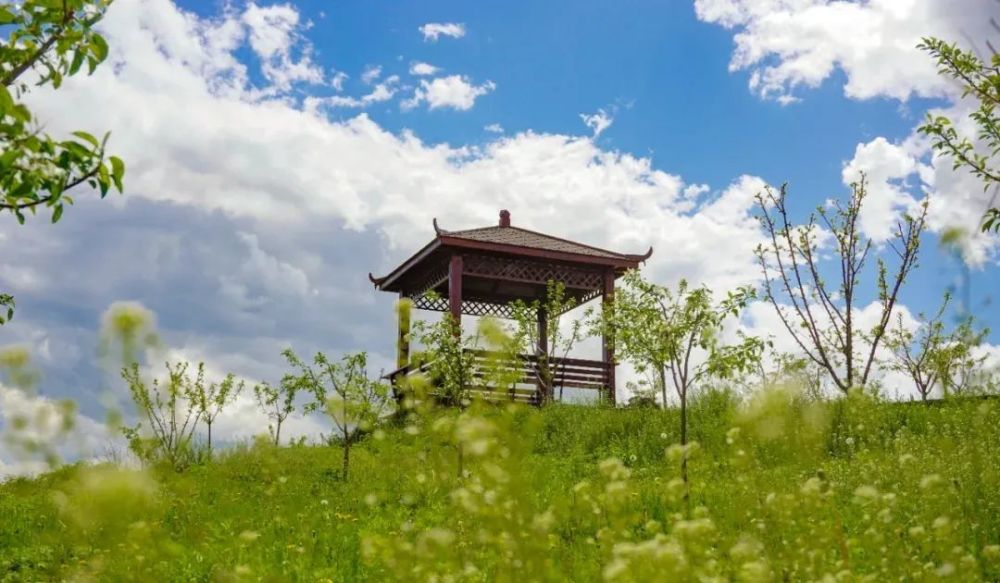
(504, 218)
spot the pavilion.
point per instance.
(479, 272)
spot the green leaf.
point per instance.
(117, 171)
(77, 62)
(20, 113)
(6, 101)
(87, 137)
(57, 213)
(6, 16)
(99, 47)
(103, 179)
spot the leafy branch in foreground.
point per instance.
(6, 308)
(53, 40)
(823, 320)
(43, 42)
(980, 80)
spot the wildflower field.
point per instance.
(780, 488)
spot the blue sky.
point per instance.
(664, 70)
(263, 185)
(660, 71)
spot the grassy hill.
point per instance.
(780, 489)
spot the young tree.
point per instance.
(447, 357)
(980, 80)
(821, 320)
(211, 400)
(929, 351)
(957, 363)
(545, 316)
(169, 411)
(794, 369)
(277, 403)
(344, 390)
(43, 42)
(677, 334)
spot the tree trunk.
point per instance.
(663, 386)
(347, 456)
(209, 424)
(277, 434)
(684, 456)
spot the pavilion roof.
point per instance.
(519, 237)
(505, 240)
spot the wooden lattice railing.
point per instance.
(521, 376)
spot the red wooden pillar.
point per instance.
(607, 344)
(455, 267)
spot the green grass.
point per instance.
(780, 490)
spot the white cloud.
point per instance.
(381, 92)
(884, 165)
(337, 82)
(597, 122)
(274, 276)
(786, 44)
(371, 73)
(453, 91)
(494, 128)
(419, 68)
(433, 30)
(273, 34)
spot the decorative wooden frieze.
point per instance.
(527, 271)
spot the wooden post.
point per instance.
(403, 309)
(544, 393)
(455, 267)
(607, 344)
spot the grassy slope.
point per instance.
(889, 491)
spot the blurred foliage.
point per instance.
(783, 487)
(128, 332)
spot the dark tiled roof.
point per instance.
(526, 238)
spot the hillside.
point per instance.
(780, 490)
